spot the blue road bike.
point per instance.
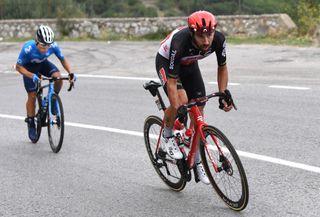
(50, 112)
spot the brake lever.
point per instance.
(71, 86)
(234, 105)
(229, 98)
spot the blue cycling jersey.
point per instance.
(30, 53)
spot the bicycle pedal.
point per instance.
(188, 176)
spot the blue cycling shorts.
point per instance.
(45, 68)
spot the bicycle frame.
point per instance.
(50, 92)
(197, 137)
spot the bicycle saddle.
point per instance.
(152, 86)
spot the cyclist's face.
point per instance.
(42, 47)
(203, 40)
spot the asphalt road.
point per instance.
(103, 168)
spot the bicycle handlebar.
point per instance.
(153, 86)
(226, 95)
(52, 79)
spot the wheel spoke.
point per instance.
(230, 181)
(55, 124)
(165, 166)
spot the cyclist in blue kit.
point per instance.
(33, 62)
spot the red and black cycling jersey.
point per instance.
(178, 49)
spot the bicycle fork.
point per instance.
(225, 164)
(50, 107)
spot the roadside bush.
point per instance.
(308, 12)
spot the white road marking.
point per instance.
(289, 87)
(140, 134)
(279, 161)
(117, 77)
(157, 79)
(231, 84)
(108, 129)
(98, 76)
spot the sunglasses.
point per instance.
(43, 45)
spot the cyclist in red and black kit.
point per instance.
(178, 69)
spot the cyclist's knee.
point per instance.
(32, 96)
(183, 98)
(56, 74)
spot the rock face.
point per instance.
(245, 25)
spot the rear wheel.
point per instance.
(224, 169)
(55, 123)
(172, 172)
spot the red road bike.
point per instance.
(220, 160)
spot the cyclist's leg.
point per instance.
(162, 66)
(48, 69)
(192, 82)
(194, 86)
(30, 105)
(30, 88)
(171, 111)
(31, 100)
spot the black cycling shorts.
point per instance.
(189, 78)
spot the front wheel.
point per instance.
(224, 169)
(55, 123)
(172, 172)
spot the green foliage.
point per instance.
(283, 40)
(305, 13)
(224, 7)
(22, 9)
(308, 12)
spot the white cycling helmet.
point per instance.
(45, 35)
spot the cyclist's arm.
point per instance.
(222, 77)
(64, 62)
(223, 83)
(66, 65)
(23, 59)
(22, 70)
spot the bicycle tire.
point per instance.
(172, 172)
(37, 120)
(231, 174)
(56, 124)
